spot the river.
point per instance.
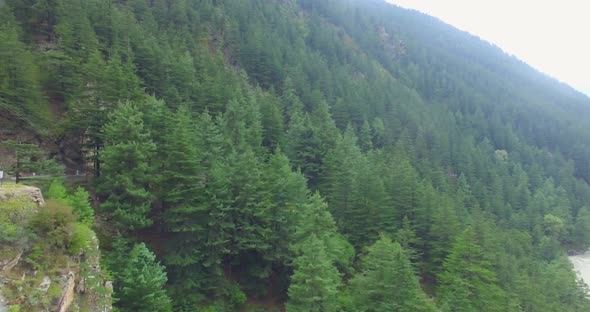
(582, 266)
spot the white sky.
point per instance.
(552, 36)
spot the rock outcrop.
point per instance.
(67, 296)
(7, 265)
(11, 191)
(37, 275)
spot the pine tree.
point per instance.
(387, 281)
(181, 182)
(427, 200)
(126, 177)
(443, 231)
(196, 194)
(315, 280)
(291, 102)
(29, 158)
(287, 192)
(582, 227)
(402, 184)
(183, 76)
(241, 123)
(325, 134)
(140, 283)
(271, 119)
(371, 212)
(313, 218)
(324, 127)
(20, 92)
(561, 287)
(302, 147)
(78, 201)
(365, 137)
(338, 177)
(378, 133)
(406, 236)
(77, 38)
(120, 82)
(249, 213)
(468, 282)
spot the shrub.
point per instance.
(81, 238)
(13, 217)
(54, 224)
(56, 190)
(14, 308)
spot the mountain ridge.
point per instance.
(493, 44)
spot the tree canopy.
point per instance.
(334, 155)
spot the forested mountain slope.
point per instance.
(334, 155)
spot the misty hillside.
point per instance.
(300, 155)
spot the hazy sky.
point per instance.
(552, 36)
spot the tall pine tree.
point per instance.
(387, 281)
(127, 172)
(315, 281)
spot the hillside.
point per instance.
(303, 155)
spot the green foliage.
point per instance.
(14, 308)
(315, 281)
(468, 282)
(29, 158)
(582, 227)
(56, 190)
(237, 296)
(80, 239)
(14, 216)
(126, 171)
(563, 289)
(20, 94)
(387, 282)
(139, 282)
(406, 237)
(315, 219)
(553, 226)
(79, 202)
(210, 123)
(56, 224)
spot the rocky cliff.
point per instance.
(46, 263)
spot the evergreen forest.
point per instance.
(302, 155)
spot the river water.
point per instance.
(582, 266)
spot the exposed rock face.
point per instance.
(67, 296)
(53, 279)
(6, 266)
(22, 191)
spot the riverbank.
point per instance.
(581, 263)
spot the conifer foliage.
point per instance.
(311, 155)
(387, 282)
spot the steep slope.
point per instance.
(259, 147)
(46, 263)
